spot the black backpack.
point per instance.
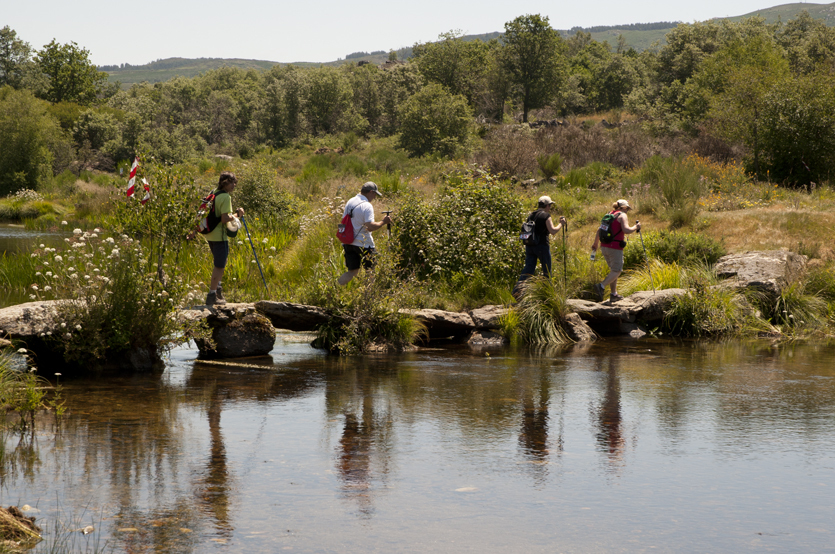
(528, 235)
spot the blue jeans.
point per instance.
(539, 252)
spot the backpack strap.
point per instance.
(351, 215)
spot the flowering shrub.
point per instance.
(113, 304)
(471, 225)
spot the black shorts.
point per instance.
(220, 252)
(356, 256)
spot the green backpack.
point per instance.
(605, 230)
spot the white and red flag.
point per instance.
(132, 181)
(147, 191)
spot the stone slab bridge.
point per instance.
(248, 329)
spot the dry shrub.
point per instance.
(715, 149)
(509, 150)
(626, 147)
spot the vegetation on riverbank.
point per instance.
(440, 136)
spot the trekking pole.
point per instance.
(257, 261)
(388, 225)
(564, 259)
(649, 266)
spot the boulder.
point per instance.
(605, 318)
(487, 317)
(293, 317)
(766, 271)
(578, 330)
(651, 306)
(249, 335)
(485, 338)
(441, 324)
(29, 320)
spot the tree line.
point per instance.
(766, 87)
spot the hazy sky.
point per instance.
(315, 31)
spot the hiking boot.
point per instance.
(220, 299)
(599, 291)
(211, 299)
(615, 297)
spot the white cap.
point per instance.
(545, 201)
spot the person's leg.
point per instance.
(614, 259)
(220, 254)
(346, 277)
(545, 260)
(353, 259)
(527, 271)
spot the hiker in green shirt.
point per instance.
(217, 238)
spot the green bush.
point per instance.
(259, 194)
(434, 121)
(683, 248)
(471, 225)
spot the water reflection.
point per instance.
(362, 457)
(609, 420)
(338, 454)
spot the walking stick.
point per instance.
(257, 261)
(564, 259)
(649, 266)
(388, 225)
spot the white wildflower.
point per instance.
(63, 325)
(32, 296)
(77, 231)
(47, 288)
(63, 223)
(78, 327)
(34, 287)
(58, 258)
(41, 246)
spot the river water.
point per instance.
(616, 447)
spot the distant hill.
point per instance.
(639, 36)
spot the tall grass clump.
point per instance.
(706, 311)
(661, 275)
(549, 165)
(796, 310)
(542, 313)
(677, 186)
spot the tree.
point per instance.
(736, 80)
(72, 77)
(460, 66)
(434, 120)
(797, 131)
(14, 57)
(532, 56)
(26, 133)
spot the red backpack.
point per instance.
(345, 229)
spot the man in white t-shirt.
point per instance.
(360, 253)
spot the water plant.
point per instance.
(706, 311)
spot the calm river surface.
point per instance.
(617, 447)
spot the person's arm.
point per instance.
(624, 223)
(374, 225)
(550, 225)
(226, 218)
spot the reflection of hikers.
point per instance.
(612, 248)
(361, 251)
(543, 228)
(218, 241)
